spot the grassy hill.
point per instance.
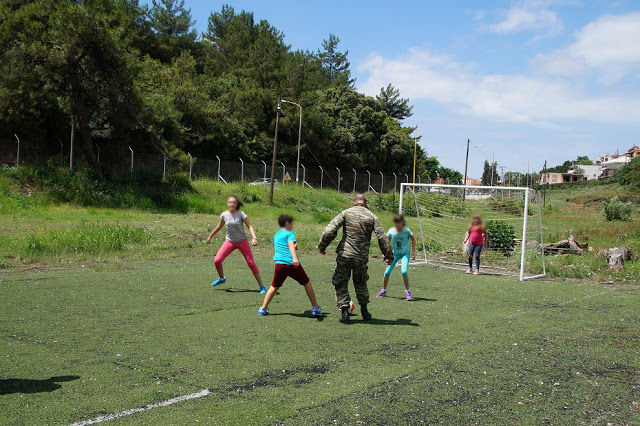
(50, 217)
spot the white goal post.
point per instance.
(443, 213)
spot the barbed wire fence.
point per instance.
(126, 161)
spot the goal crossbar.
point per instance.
(489, 192)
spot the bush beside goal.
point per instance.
(440, 216)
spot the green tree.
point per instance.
(487, 172)
(335, 63)
(395, 106)
(173, 28)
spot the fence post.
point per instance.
(321, 176)
(338, 179)
(164, 166)
(218, 167)
(265, 170)
(382, 183)
(355, 177)
(98, 148)
(304, 174)
(395, 182)
(131, 160)
(419, 180)
(284, 171)
(407, 176)
(369, 182)
(71, 150)
(241, 170)
(190, 165)
(61, 153)
(17, 152)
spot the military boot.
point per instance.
(365, 313)
(345, 315)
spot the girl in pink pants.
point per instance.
(235, 219)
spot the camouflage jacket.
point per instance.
(357, 224)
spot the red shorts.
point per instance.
(283, 271)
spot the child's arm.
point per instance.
(466, 236)
(215, 231)
(486, 234)
(413, 246)
(294, 253)
(254, 240)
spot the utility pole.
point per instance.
(493, 163)
(273, 160)
(544, 187)
(415, 153)
(466, 163)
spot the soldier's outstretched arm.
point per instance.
(330, 232)
(383, 240)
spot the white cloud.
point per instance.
(528, 15)
(516, 98)
(609, 45)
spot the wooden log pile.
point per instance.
(568, 246)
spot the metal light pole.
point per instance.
(299, 139)
(355, 176)
(241, 170)
(338, 179)
(71, 165)
(415, 153)
(466, 163)
(273, 160)
(265, 170)
(17, 152)
(382, 183)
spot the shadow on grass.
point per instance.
(233, 290)
(8, 386)
(305, 314)
(379, 321)
(415, 299)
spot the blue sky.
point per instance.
(529, 80)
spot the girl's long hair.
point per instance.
(477, 219)
(239, 203)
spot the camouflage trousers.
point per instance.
(345, 267)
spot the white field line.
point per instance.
(553, 305)
(126, 413)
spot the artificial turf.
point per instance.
(91, 340)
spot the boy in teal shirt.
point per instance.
(288, 265)
(400, 237)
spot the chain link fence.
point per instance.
(125, 161)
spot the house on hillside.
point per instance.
(553, 178)
(471, 181)
(590, 172)
(612, 165)
(633, 152)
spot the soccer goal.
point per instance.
(442, 214)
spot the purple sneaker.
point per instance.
(408, 294)
(382, 293)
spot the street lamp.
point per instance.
(299, 138)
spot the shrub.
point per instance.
(386, 202)
(614, 209)
(502, 237)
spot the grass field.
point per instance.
(87, 340)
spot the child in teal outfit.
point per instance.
(400, 236)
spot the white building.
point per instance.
(589, 172)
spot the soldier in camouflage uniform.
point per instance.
(357, 223)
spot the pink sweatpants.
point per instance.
(226, 249)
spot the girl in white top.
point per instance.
(235, 220)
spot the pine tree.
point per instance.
(395, 106)
(335, 63)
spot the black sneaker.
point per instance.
(345, 316)
(365, 313)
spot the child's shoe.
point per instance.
(382, 293)
(408, 294)
(263, 312)
(219, 281)
(469, 271)
(316, 312)
(477, 272)
(263, 290)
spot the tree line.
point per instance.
(124, 74)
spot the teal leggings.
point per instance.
(404, 265)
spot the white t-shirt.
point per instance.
(235, 226)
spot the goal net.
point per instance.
(441, 214)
